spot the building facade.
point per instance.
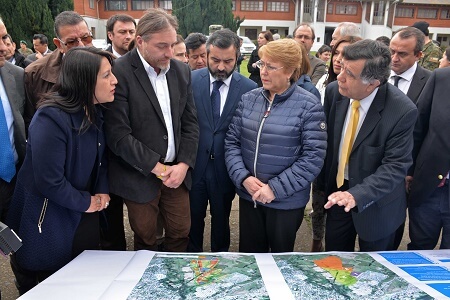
(375, 17)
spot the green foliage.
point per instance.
(197, 15)
(24, 18)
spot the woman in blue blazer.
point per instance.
(62, 184)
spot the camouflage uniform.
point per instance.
(431, 56)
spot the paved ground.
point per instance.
(303, 244)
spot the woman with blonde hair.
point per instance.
(274, 149)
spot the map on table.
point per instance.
(343, 276)
(193, 276)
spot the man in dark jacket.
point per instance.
(12, 54)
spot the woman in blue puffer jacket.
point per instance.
(274, 149)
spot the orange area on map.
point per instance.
(333, 265)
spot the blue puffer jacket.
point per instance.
(282, 144)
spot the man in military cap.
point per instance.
(431, 52)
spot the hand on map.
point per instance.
(342, 199)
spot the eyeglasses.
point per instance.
(260, 64)
(301, 36)
(75, 42)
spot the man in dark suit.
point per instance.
(370, 126)
(12, 54)
(12, 127)
(210, 180)
(429, 197)
(121, 30)
(151, 128)
(406, 49)
(305, 35)
(12, 99)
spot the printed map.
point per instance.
(190, 276)
(343, 276)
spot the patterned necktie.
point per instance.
(7, 165)
(396, 80)
(349, 138)
(215, 100)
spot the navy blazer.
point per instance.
(378, 162)
(215, 135)
(66, 167)
(136, 131)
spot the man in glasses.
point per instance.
(305, 35)
(71, 30)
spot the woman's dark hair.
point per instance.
(345, 39)
(322, 49)
(75, 88)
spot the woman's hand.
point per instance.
(104, 199)
(252, 184)
(264, 194)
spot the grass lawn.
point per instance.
(244, 71)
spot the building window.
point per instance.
(445, 14)
(252, 5)
(142, 5)
(378, 13)
(115, 5)
(91, 4)
(278, 6)
(165, 4)
(368, 7)
(330, 8)
(233, 5)
(427, 13)
(321, 10)
(308, 11)
(404, 12)
(346, 9)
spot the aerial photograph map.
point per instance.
(343, 276)
(191, 276)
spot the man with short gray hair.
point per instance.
(370, 126)
(151, 129)
(344, 29)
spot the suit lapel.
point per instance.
(9, 81)
(232, 97)
(416, 86)
(373, 116)
(341, 112)
(174, 93)
(142, 78)
(205, 95)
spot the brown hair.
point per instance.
(288, 53)
(345, 39)
(155, 20)
(267, 35)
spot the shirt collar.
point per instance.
(366, 102)
(226, 81)
(408, 74)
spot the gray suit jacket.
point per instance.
(417, 84)
(317, 69)
(378, 162)
(32, 57)
(12, 77)
(136, 132)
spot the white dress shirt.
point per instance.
(406, 77)
(223, 90)
(159, 83)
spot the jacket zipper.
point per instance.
(266, 114)
(42, 215)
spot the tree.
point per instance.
(58, 6)
(197, 15)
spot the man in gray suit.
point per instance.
(40, 45)
(210, 180)
(152, 131)
(370, 126)
(406, 49)
(304, 34)
(12, 128)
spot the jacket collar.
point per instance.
(280, 98)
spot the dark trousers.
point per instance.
(428, 218)
(340, 234)
(220, 207)
(6, 194)
(113, 231)
(173, 204)
(263, 229)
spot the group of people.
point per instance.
(168, 126)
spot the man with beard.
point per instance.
(217, 92)
(151, 129)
